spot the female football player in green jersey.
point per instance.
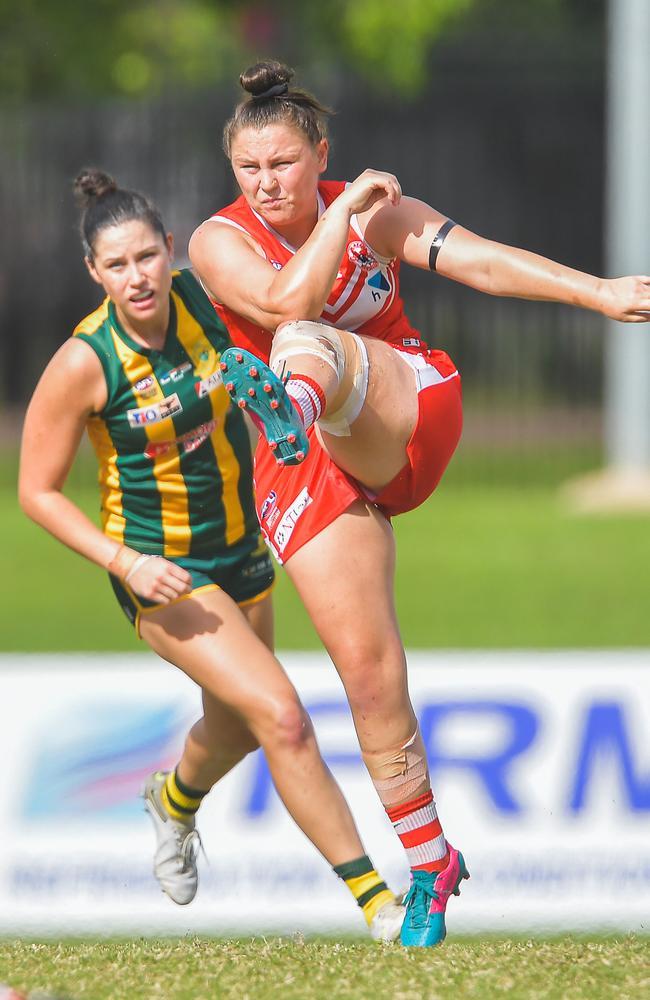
(180, 537)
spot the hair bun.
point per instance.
(262, 76)
(92, 183)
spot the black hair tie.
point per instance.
(275, 91)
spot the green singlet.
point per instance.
(175, 466)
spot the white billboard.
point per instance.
(540, 765)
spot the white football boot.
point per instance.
(387, 922)
(178, 843)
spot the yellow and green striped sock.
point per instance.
(367, 887)
(180, 801)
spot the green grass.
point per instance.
(479, 566)
(476, 568)
(563, 968)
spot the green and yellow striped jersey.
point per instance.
(175, 466)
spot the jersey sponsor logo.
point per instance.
(146, 386)
(361, 255)
(208, 385)
(155, 413)
(175, 374)
(380, 281)
(284, 530)
(188, 442)
(268, 503)
(378, 285)
(411, 342)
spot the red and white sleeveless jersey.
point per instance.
(365, 296)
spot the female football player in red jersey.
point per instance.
(180, 536)
(363, 416)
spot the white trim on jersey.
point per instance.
(227, 222)
(354, 224)
(269, 228)
(345, 294)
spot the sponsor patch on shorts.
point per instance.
(272, 517)
(268, 503)
(284, 530)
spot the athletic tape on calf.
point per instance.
(401, 773)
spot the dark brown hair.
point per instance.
(105, 204)
(272, 100)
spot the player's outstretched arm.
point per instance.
(509, 271)
(409, 230)
(70, 389)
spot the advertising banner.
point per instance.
(540, 765)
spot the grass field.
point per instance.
(479, 565)
(292, 969)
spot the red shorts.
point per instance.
(295, 503)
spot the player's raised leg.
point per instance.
(360, 392)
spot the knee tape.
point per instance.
(399, 774)
(345, 353)
(301, 336)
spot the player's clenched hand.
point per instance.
(159, 580)
(627, 299)
(369, 187)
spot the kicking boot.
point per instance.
(387, 922)
(426, 902)
(177, 845)
(255, 388)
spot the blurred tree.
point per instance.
(51, 48)
(117, 47)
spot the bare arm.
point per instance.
(70, 389)
(233, 269)
(407, 231)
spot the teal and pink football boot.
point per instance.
(426, 902)
(258, 391)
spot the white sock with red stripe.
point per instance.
(307, 397)
(417, 825)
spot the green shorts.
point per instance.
(245, 572)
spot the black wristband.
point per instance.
(438, 240)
